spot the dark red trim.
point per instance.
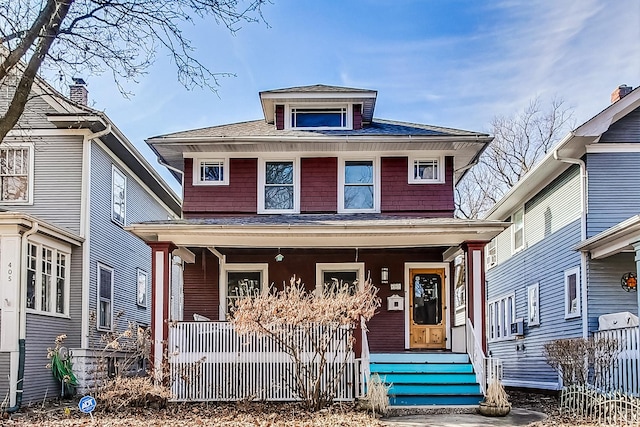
(166, 248)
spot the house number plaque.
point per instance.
(396, 286)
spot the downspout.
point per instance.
(22, 325)
(583, 236)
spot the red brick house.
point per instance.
(320, 188)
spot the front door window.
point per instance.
(427, 298)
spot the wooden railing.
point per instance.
(209, 361)
(623, 375)
(487, 369)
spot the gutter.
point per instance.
(583, 236)
(22, 325)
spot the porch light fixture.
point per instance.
(384, 275)
(279, 257)
(629, 282)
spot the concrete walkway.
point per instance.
(517, 417)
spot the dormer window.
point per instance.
(326, 117)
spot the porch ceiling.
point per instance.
(319, 231)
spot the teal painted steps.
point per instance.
(442, 379)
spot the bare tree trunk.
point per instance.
(48, 36)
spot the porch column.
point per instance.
(160, 301)
(475, 280)
(636, 247)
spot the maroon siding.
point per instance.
(386, 328)
(357, 116)
(279, 117)
(237, 198)
(398, 196)
(201, 294)
(319, 185)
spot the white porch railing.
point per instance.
(487, 369)
(209, 361)
(624, 374)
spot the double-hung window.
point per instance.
(47, 278)
(518, 230)
(359, 186)
(118, 196)
(330, 276)
(279, 190)
(426, 170)
(572, 293)
(141, 288)
(501, 315)
(105, 297)
(491, 253)
(16, 166)
(211, 171)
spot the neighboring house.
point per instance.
(321, 189)
(70, 183)
(574, 234)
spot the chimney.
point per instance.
(78, 91)
(620, 92)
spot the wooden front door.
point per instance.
(427, 302)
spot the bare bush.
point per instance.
(293, 316)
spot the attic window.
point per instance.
(319, 118)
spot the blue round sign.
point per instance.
(87, 404)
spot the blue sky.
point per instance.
(455, 63)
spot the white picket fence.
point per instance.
(210, 361)
(624, 374)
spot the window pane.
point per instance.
(45, 303)
(105, 314)
(427, 299)
(279, 198)
(572, 293)
(358, 197)
(358, 172)
(425, 169)
(332, 280)
(279, 173)
(60, 282)
(142, 289)
(303, 118)
(119, 197)
(212, 171)
(32, 255)
(14, 187)
(105, 283)
(241, 284)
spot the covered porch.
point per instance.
(430, 274)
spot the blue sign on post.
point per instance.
(87, 404)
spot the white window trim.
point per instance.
(533, 290)
(376, 184)
(225, 268)
(30, 184)
(440, 178)
(262, 181)
(338, 266)
(114, 171)
(501, 318)
(491, 260)
(288, 110)
(142, 273)
(104, 267)
(197, 164)
(513, 232)
(567, 303)
(39, 241)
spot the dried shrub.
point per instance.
(131, 392)
(496, 395)
(378, 395)
(293, 315)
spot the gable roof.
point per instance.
(318, 93)
(71, 115)
(572, 146)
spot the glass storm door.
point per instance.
(427, 302)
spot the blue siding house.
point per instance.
(70, 182)
(575, 232)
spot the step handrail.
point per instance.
(365, 367)
(478, 359)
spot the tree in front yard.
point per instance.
(315, 329)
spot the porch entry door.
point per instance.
(427, 302)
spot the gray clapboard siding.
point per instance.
(34, 115)
(626, 129)
(614, 189)
(57, 182)
(113, 246)
(605, 293)
(543, 263)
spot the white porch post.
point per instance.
(636, 247)
(160, 302)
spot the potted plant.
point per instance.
(496, 402)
